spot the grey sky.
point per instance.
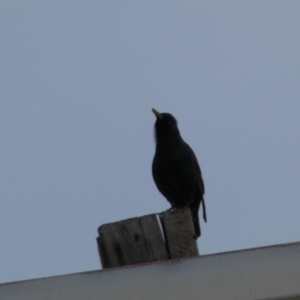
(78, 81)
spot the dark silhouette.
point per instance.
(175, 168)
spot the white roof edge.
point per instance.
(261, 273)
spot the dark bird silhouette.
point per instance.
(175, 168)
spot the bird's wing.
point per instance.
(193, 160)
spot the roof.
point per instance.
(260, 273)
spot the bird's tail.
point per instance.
(196, 224)
(194, 210)
(195, 215)
(204, 210)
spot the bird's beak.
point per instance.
(158, 115)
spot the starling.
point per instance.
(175, 168)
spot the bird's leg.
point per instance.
(184, 206)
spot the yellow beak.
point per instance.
(158, 115)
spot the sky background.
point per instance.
(78, 80)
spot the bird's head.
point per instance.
(165, 126)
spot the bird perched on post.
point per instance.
(175, 169)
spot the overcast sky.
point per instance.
(78, 81)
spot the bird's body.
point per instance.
(175, 169)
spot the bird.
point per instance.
(175, 169)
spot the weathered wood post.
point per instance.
(144, 239)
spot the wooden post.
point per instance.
(179, 233)
(131, 241)
(141, 240)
